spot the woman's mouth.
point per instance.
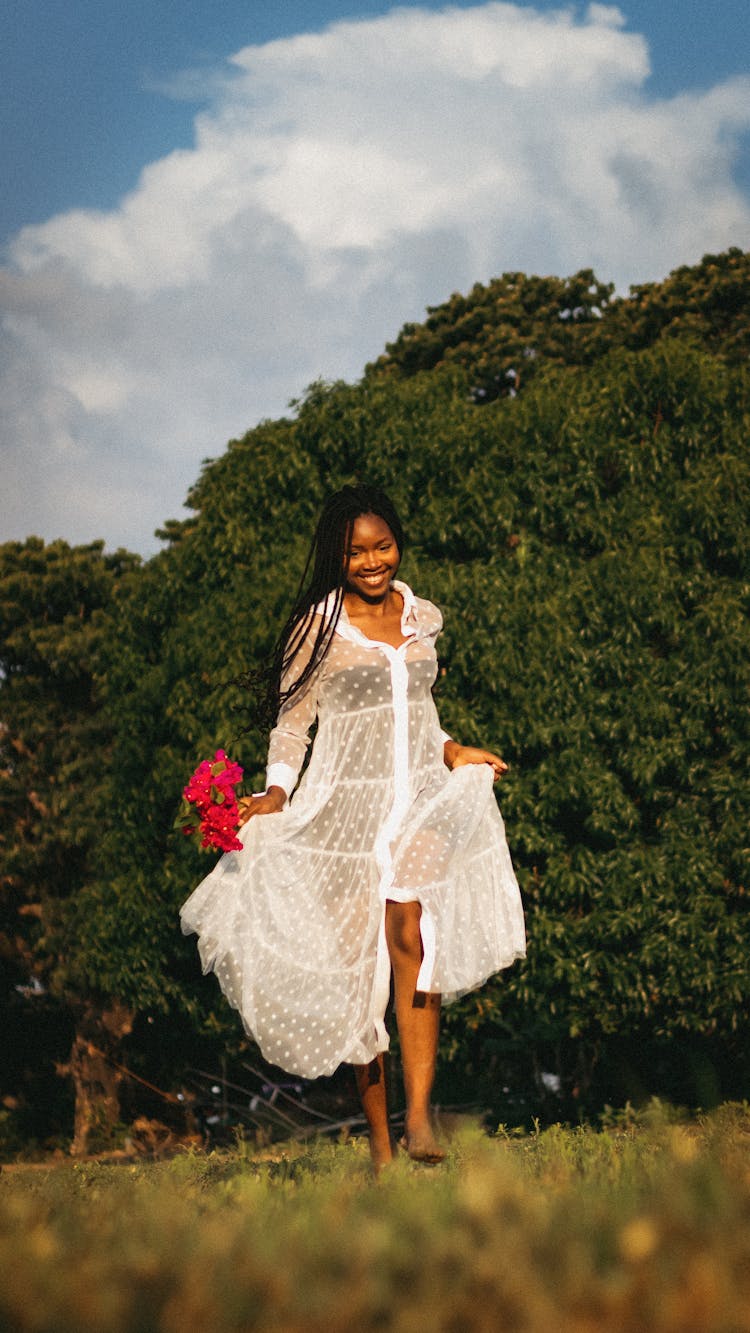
(374, 578)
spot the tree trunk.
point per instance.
(95, 1079)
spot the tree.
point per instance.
(588, 540)
(503, 334)
(54, 750)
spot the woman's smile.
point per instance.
(373, 557)
(375, 577)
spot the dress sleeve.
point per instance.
(290, 737)
(432, 618)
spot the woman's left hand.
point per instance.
(457, 755)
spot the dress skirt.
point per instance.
(294, 924)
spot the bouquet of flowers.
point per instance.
(209, 809)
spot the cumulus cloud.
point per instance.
(339, 182)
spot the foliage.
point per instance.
(53, 736)
(588, 542)
(642, 1225)
(503, 334)
(55, 742)
(616, 623)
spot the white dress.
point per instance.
(294, 924)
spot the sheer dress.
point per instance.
(294, 924)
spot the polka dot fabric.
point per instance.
(293, 925)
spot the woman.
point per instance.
(389, 859)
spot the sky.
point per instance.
(206, 206)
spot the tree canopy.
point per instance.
(505, 333)
(587, 539)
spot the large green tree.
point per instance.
(588, 541)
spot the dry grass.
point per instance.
(641, 1227)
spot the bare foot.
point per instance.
(421, 1144)
(382, 1153)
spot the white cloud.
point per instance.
(339, 182)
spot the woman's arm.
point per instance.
(455, 756)
(288, 741)
(287, 747)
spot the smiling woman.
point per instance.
(390, 858)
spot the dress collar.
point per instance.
(344, 626)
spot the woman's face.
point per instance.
(373, 558)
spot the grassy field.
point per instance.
(643, 1225)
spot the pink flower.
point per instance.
(211, 790)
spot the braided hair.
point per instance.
(328, 559)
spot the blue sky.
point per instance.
(80, 106)
(207, 205)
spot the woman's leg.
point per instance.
(418, 1018)
(372, 1087)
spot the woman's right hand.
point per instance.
(265, 803)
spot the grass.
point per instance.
(641, 1226)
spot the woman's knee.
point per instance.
(402, 931)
